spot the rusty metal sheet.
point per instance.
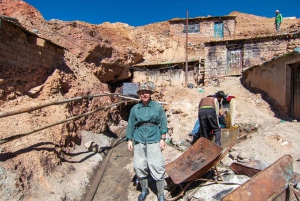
(288, 194)
(267, 184)
(250, 169)
(194, 162)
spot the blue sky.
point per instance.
(139, 13)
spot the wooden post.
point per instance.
(186, 49)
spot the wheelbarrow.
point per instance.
(273, 183)
(200, 158)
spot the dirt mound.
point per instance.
(20, 10)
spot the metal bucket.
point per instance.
(194, 162)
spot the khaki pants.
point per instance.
(148, 157)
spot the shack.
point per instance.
(230, 57)
(170, 72)
(280, 79)
(202, 29)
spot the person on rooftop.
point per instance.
(278, 20)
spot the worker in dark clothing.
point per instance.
(208, 112)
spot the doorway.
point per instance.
(295, 106)
(218, 30)
(234, 61)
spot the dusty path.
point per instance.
(113, 185)
(111, 179)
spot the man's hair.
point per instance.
(220, 94)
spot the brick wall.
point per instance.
(258, 52)
(215, 63)
(274, 78)
(25, 60)
(254, 52)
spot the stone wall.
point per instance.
(206, 30)
(215, 64)
(274, 78)
(254, 52)
(175, 77)
(26, 60)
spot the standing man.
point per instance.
(278, 20)
(208, 112)
(146, 134)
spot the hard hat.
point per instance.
(146, 86)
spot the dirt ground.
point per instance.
(269, 138)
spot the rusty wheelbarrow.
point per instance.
(275, 182)
(201, 157)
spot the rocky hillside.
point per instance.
(248, 25)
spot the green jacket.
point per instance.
(150, 133)
(278, 18)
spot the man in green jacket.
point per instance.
(146, 135)
(278, 20)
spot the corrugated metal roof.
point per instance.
(203, 18)
(166, 62)
(289, 35)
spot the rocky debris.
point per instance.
(248, 127)
(35, 90)
(97, 143)
(216, 192)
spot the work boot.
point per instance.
(145, 191)
(195, 138)
(160, 185)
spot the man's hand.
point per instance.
(129, 145)
(221, 112)
(162, 144)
